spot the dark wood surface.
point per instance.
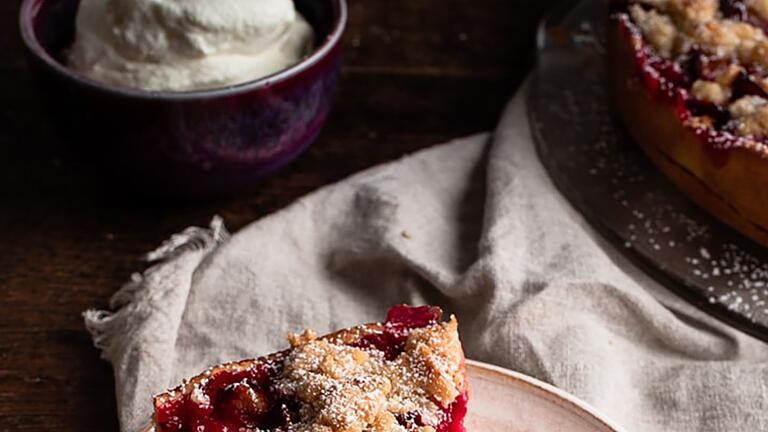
(416, 73)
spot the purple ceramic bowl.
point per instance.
(186, 143)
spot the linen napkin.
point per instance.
(474, 226)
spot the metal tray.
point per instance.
(598, 168)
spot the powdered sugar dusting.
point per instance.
(347, 388)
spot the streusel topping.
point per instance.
(674, 26)
(724, 47)
(349, 389)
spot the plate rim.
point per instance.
(570, 401)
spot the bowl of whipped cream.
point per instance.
(186, 97)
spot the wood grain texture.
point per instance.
(416, 73)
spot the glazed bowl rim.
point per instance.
(28, 9)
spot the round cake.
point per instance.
(690, 80)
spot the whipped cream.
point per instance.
(180, 45)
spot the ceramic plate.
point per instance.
(502, 400)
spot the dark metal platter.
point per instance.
(598, 168)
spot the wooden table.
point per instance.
(417, 72)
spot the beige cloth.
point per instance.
(474, 226)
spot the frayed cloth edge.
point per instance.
(101, 323)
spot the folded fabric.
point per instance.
(474, 226)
